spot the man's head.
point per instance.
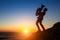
(45, 9)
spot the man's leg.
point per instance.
(38, 25)
(42, 26)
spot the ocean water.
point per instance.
(11, 36)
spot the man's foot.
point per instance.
(39, 31)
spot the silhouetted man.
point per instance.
(40, 16)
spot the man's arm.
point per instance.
(37, 11)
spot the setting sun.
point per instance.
(26, 31)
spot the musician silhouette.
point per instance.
(40, 13)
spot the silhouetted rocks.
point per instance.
(49, 34)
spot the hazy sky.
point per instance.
(21, 13)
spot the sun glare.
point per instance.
(26, 31)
